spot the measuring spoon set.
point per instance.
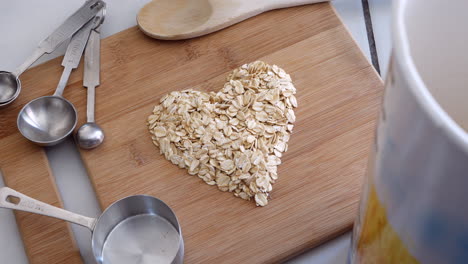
(48, 120)
(135, 229)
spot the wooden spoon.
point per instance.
(182, 19)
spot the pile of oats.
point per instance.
(233, 138)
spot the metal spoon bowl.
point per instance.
(89, 135)
(47, 120)
(10, 87)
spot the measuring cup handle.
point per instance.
(71, 25)
(29, 61)
(12, 199)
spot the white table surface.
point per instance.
(26, 22)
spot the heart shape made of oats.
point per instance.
(233, 138)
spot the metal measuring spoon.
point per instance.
(90, 135)
(48, 120)
(10, 85)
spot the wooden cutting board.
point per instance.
(315, 198)
(25, 168)
(316, 195)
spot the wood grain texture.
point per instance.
(316, 195)
(315, 198)
(25, 168)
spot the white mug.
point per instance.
(414, 207)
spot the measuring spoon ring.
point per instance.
(10, 85)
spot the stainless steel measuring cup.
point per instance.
(10, 85)
(136, 229)
(48, 120)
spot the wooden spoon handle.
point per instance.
(275, 4)
(171, 20)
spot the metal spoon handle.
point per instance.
(91, 77)
(12, 199)
(63, 81)
(29, 61)
(71, 25)
(78, 43)
(90, 104)
(75, 49)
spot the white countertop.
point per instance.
(21, 32)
